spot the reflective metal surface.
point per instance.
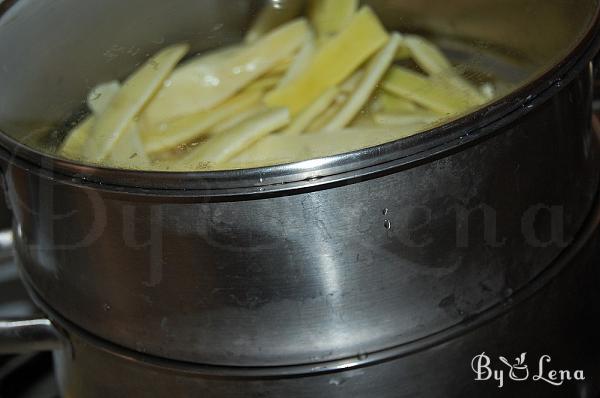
(391, 247)
(557, 315)
(28, 335)
(317, 274)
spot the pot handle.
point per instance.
(25, 335)
(28, 335)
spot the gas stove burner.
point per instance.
(29, 375)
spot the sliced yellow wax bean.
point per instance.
(280, 68)
(237, 118)
(172, 134)
(331, 16)
(387, 102)
(224, 146)
(264, 83)
(427, 55)
(277, 148)
(433, 61)
(101, 95)
(73, 144)
(128, 102)
(98, 100)
(453, 81)
(321, 121)
(398, 119)
(300, 61)
(306, 117)
(129, 151)
(198, 86)
(351, 83)
(374, 71)
(425, 92)
(364, 120)
(403, 53)
(333, 62)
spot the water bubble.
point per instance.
(387, 224)
(106, 307)
(212, 81)
(385, 211)
(362, 356)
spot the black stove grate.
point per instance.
(27, 376)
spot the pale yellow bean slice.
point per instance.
(73, 144)
(333, 62)
(300, 61)
(281, 68)
(170, 135)
(100, 96)
(351, 83)
(128, 102)
(403, 53)
(308, 115)
(427, 55)
(224, 146)
(398, 119)
(387, 102)
(425, 92)
(129, 151)
(331, 16)
(198, 86)
(373, 74)
(98, 100)
(277, 148)
(237, 118)
(264, 83)
(321, 121)
(433, 61)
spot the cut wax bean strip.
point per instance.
(333, 62)
(373, 73)
(128, 102)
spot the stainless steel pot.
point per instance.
(375, 273)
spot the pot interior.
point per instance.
(53, 53)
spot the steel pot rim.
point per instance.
(341, 168)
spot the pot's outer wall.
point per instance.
(561, 320)
(314, 276)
